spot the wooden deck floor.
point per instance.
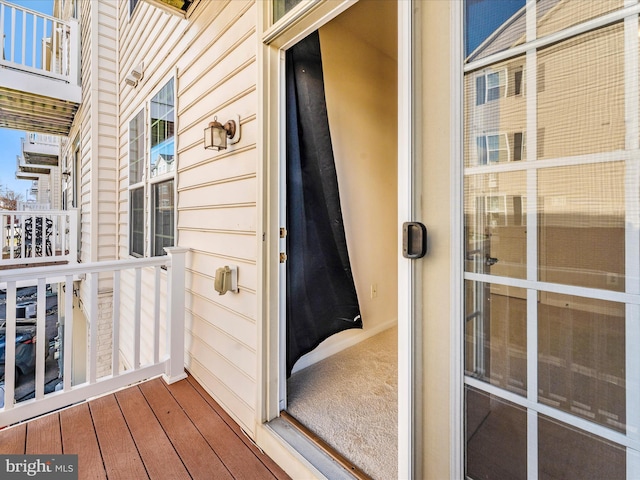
(151, 430)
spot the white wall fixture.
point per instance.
(226, 279)
(137, 73)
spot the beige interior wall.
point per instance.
(361, 93)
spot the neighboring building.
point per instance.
(516, 331)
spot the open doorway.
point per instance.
(345, 390)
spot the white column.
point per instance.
(175, 313)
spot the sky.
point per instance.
(482, 17)
(10, 144)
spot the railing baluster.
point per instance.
(156, 317)
(13, 34)
(24, 38)
(67, 341)
(115, 353)
(93, 328)
(63, 227)
(137, 318)
(4, 55)
(54, 47)
(51, 241)
(23, 239)
(34, 60)
(41, 337)
(12, 237)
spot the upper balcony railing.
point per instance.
(38, 43)
(33, 206)
(36, 237)
(39, 148)
(40, 85)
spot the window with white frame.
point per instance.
(490, 86)
(493, 148)
(151, 177)
(132, 5)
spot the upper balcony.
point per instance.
(41, 149)
(40, 64)
(38, 237)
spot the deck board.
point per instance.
(151, 430)
(187, 440)
(119, 454)
(43, 435)
(273, 467)
(78, 437)
(14, 440)
(157, 453)
(229, 447)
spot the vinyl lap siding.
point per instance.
(213, 53)
(105, 110)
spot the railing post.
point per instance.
(175, 313)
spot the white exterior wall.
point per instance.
(95, 126)
(212, 55)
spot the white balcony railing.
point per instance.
(43, 139)
(31, 237)
(33, 206)
(38, 144)
(38, 43)
(145, 331)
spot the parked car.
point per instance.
(26, 310)
(25, 347)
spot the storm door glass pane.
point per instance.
(495, 224)
(496, 437)
(556, 15)
(582, 225)
(568, 452)
(492, 26)
(496, 335)
(581, 358)
(495, 108)
(580, 86)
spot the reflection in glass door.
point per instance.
(552, 227)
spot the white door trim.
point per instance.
(457, 243)
(271, 81)
(406, 212)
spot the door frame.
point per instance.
(307, 17)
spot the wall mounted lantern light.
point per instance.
(66, 174)
(217, 135)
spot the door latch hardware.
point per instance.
(283, 257)
(414, 240)
(283, 232)
(490, 261)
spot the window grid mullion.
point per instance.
(531, 83)
(632, 239)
